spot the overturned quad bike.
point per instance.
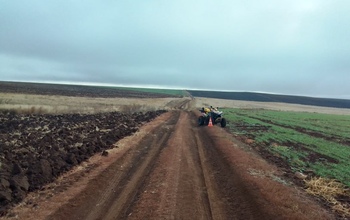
(216, 117)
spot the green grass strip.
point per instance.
(278, 128)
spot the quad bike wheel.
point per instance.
(206, 121)
(201, 120)
(223, 122)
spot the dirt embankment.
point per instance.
(173, 169)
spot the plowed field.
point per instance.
(173, 169)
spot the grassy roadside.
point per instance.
(306, 141)
(312, 143)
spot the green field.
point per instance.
(174, 92)
(305, 141)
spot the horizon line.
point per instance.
(168, 88)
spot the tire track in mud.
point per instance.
(128, 187)
(110, 195)
(175, 172)
(175, 189)
(191, 195)
(229, 198)
(184, 105)
(192, 180)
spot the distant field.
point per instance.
(87, 91)
(172, 92)
(306, 142)
(262, 97)
(41, 98)
(278, 106)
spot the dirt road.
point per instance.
(174, 169)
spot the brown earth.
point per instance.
(172, 169)
(36, 149)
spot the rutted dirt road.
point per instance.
(173, 169)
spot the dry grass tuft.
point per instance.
(329, 189)
(136, 108)
(5, 101)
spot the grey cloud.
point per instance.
(293, 47)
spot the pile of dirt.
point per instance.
(36, 149)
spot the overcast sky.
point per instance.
(290, 47)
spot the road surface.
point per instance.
(174, 169)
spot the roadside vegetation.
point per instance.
(44, 104)
(309, 143)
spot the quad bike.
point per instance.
(216, 117)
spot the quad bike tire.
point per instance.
(206, 121)
(223, 122)
(201, 120)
